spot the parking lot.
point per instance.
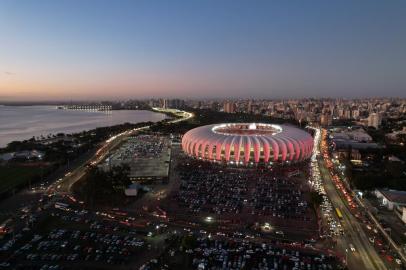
(68, 238)
(242, 196)
(213, 252)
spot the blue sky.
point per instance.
(273, 49)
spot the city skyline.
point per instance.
(64, 50)
(227, 134)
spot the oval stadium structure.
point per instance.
(248, 143)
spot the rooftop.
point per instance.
(396, 196)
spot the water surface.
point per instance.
(23, 122)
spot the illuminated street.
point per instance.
(354, 235)
(204, 135)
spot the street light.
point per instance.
(209, 219)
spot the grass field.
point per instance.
(12, 176)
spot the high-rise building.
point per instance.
(176, 103)
(355, 114)
(347, 114)
(164, 103)
(229, 107)
(341, 112)
(249, 107)
(326, 119)
(374, 120)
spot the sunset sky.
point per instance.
(52, 50)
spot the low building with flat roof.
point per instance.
(394, 200)
(391, 198)
(148, 157)
(354, 137)
(151, 168)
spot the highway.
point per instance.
(354, 245)
(382, 230)
(28, 198)
(364, 254)
(65, 185)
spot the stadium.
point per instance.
(248, 143)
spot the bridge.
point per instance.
(90, 108)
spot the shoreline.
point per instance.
(101, 139)
(75, 125)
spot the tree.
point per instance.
(102, 186)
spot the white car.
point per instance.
(352, 247)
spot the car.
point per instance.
(389, 258)
(352, 247)
(398, 261)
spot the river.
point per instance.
(23, 122)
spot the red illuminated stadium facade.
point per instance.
(248, 143)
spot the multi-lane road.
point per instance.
(29, 197)
(66, 183)
(354, 244)
(363, 253)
